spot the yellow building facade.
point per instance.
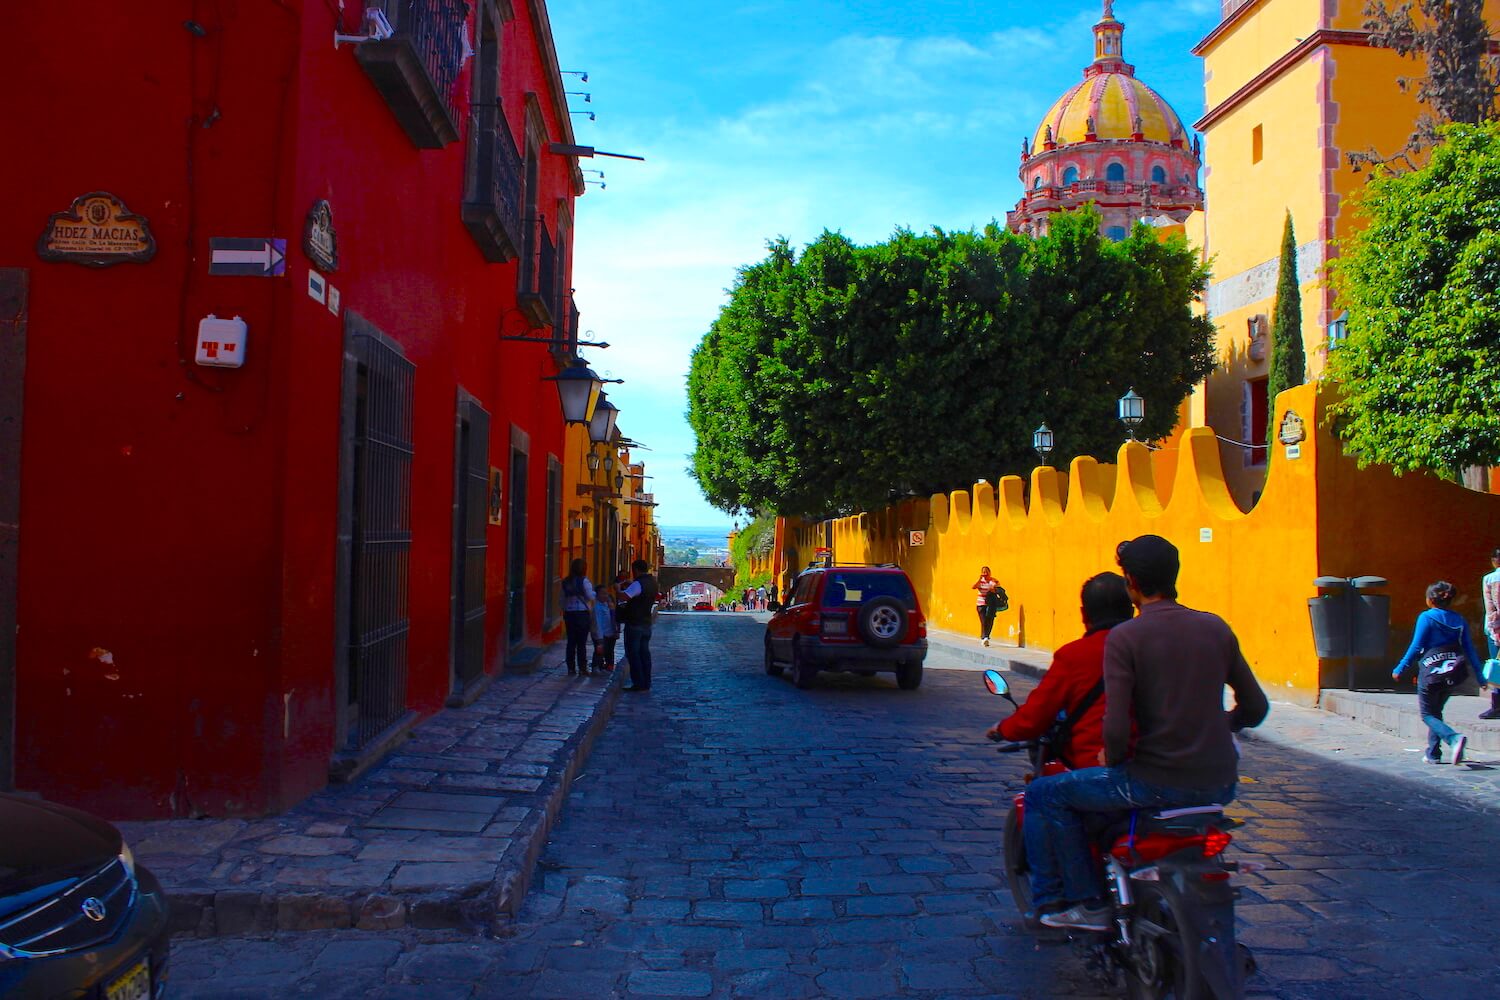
(1290, 88)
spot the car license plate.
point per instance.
(133, 985)
(835, 626)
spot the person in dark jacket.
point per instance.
(1164, 676)
(635, 615)
(1440, 646)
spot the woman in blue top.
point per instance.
(1440, 646)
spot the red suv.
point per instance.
(855, 619)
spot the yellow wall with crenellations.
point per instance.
(1320, 515)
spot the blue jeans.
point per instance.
(638, 654)
(1431, 698)
(1057, 846)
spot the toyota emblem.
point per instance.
(93, 908)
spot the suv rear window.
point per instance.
(851, 589)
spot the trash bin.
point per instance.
(1347, 623)
(1335, 624)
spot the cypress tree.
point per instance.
(1288, 362)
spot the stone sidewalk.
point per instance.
(443, 833)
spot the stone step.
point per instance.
(443, 833)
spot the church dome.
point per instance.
(1119, 105)
(1111, 142)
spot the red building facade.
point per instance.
(233, 582)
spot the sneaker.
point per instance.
(986, 641)
(1431, 760)
(1458, 748)
(1079, 917)
(1490, 713)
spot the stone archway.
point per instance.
(721, 577)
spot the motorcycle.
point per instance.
(1168, 884)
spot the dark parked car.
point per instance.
(859, 619)
(78, 917)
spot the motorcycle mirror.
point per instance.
(996, 683)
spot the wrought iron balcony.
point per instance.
(538, 292)
(492, 197)
(416, 69)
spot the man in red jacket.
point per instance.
(1076, 676)
(1077, 668)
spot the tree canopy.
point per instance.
(1421, 283)
(848, 376)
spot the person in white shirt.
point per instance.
(1491, 588)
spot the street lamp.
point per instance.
(1132, 411)
(619, 481)
(578, 388)
(609, 462)
(602, 424)
(1042, 441)
(593, 460)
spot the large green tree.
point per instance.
(1288, 358)
(851, 375)
(1421, 283)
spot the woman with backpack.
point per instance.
(578, 605)
(1444, 654)
(987, 603)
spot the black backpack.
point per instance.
(997, 600)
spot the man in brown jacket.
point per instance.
(1166, 668)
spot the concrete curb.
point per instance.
(520, 860)
(221, 881)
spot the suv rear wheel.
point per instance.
(909, 676)
(803, 673)
(772, 667)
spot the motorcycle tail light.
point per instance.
(1215, 841)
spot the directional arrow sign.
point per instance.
(258, 258)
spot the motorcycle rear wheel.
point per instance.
(1017, 871)
(1163, 958)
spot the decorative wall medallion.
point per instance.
(319, 240)
(97, 231)
(1292, 430)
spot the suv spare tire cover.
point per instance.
(883, 622)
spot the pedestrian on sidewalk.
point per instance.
(760, 597)
(607, 624)
(986, 585)
(578, 604)
(1441, 647)
(1491, 588)
(635, 615)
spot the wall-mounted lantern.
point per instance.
(602, 424)
(579, 391)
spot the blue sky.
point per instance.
(780, 118)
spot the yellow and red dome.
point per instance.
(1114, 100)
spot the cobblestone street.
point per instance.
(732, 836)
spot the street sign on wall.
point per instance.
(918, 538)
(254, 258)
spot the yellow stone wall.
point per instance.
(1320, 515)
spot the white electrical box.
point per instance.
(221, 342)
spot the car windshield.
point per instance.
(851, 589)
